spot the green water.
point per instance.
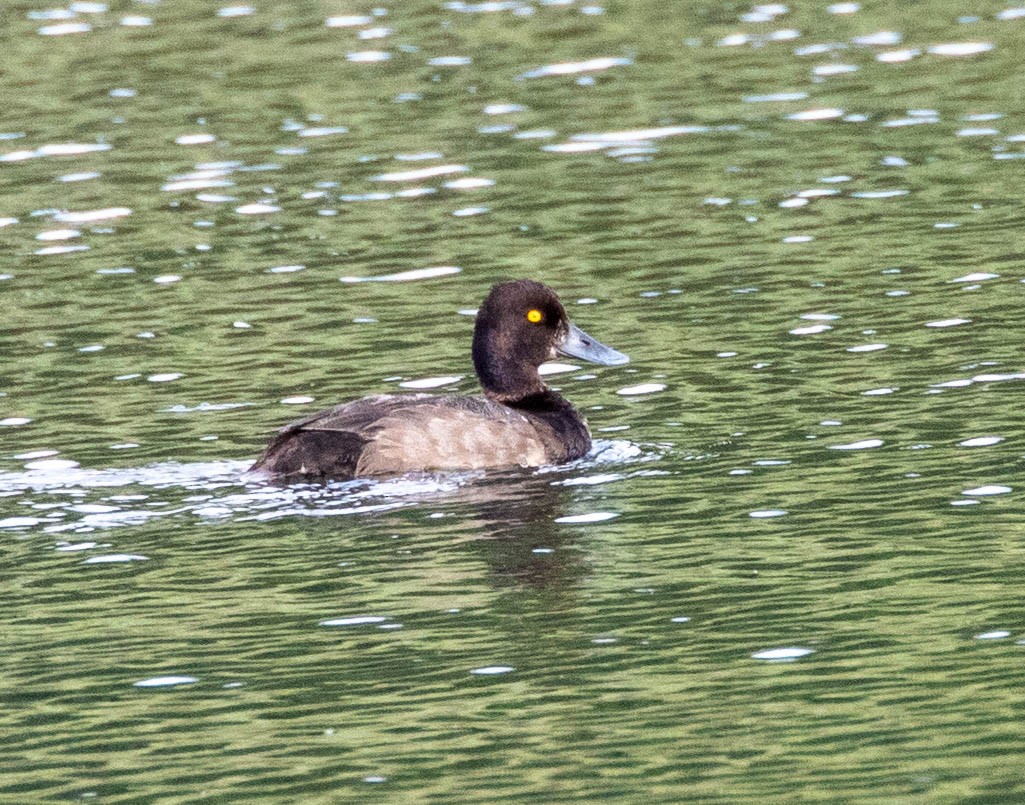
(789, 571)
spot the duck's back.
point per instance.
(396, 434)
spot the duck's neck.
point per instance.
(517, 380)
(510, 390)
(572, 436)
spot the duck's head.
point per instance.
(520, 325)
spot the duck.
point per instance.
(518, 422)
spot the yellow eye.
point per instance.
(534, 316)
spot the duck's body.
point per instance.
(520, 421)
(395, 434)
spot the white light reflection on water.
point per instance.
(407, 276)
(55, 150)
(354, 620)
(589, 517)
(960, 49)
(575, 68)
(195, 139)
(165, 681)
(113, 558)
(90, 216)
(348, 21)
(981, 441)
(420, 174)
(368, 56)
(468, 183)
(64, 28)
(898, 56)
(864, 444)
(825, 113)
(987, 490)
(431, 382)
(642, 388)
(788, 654)
(258, 208)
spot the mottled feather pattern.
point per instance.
(445, 433)
(390, 434)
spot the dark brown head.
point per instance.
(520, 325)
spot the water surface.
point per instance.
(790, 568)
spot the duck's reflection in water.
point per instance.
(513, 516)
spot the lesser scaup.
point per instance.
(518, 422)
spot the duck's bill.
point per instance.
(578, 344)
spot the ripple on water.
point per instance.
(867, 348)
(642, 388)
(987, 490)
(195, 139)
(420, 174)
(431, 382)
(72, 547)
(468, 183)
(831, 69)
(637, 135)
(114, 498)
(71, 149)
(591, 480)
(575, 68)
(322, 131)
(354, 620)
(348, 21)
(449, 61)
(258, 208)
(165, 681)
(776, 97)
(64, 28)
(91, 216)
(864, 444)
(408, 276)
(19, 522)
(590, 517)
(981, 441)
(52, 465)
(555, 368)
(235, 11)
(898, 56)
(878, 39)
(368, 56)
(825, 113)
(976, 276)
(960, 49)
(787, 654)
(503, 108)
